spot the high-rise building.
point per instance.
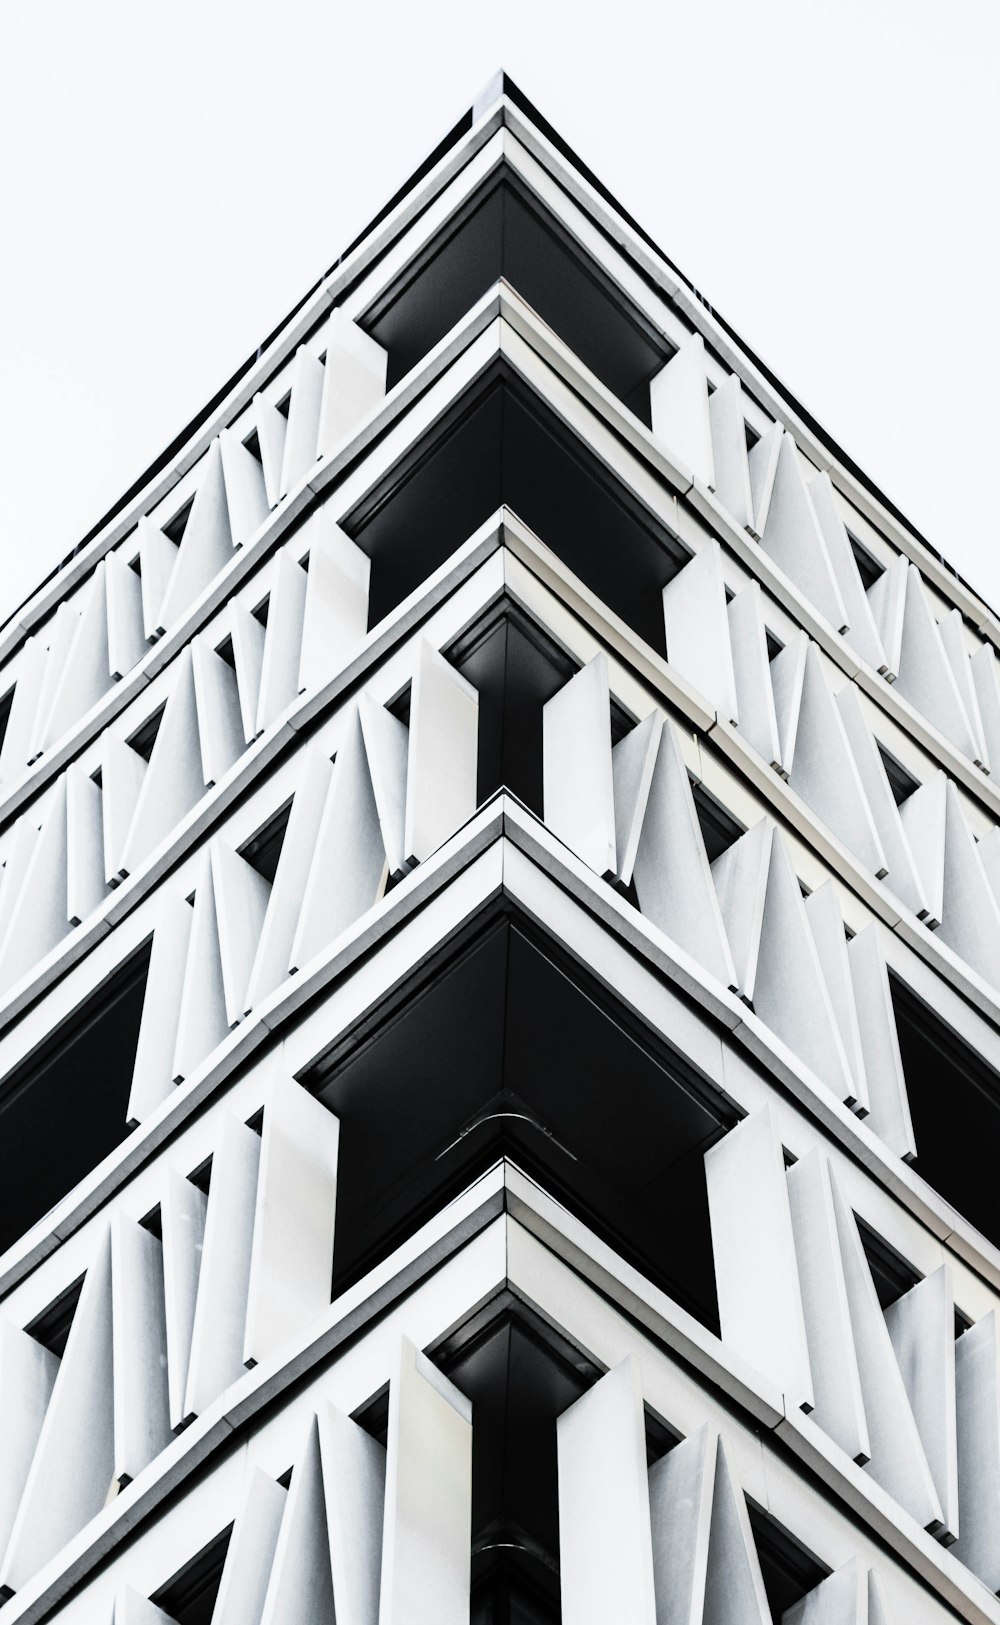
(500, 978)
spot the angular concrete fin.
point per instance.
(19, 736)
(888, 1105)
(925, 675)
(288, 893)
(291, 1264)
(678, 403)
(354, 385)
(824, 772)
(206, 545)
(763, 462)
(632, 762)
(279, 676)
(442, 755)
(887, 602)
(985, 678)
(126, 628)
(729, 451)
(22, 840)
(605, 1543)
(386, 747)
(85, 675)
(248, 636)
(223, 1280)
(788, 673)
(970, 921)
(840, 1599)
(173, 782)
(901, 873)
(250, 1553)
(348, 869)
(73, 1465)
(302, 433)
(153, 1071)
(217, 702)
(38, 919)
(958, 657)
(202, 1020)
(863, 635)
(354, 1488)
(301, 1584)
(977, 1397)
(246, 494)
(578, 782)
(989, 855)
(734, 1585)
(86, 886)
(241, 898)
(827, 925)
(681, 1493)
(122, 773)
(740, 878)
(752, 674)
(335, 624)
(157, 559)
(271, 428)
(27, 1373)
(793, 538)
(428, 1498)
(756, 1276)
(673, 881)
(878, 1613)
(697, 629)
(132, 1608)
(183, 1208)
(922, 1329)
(139, 1347)
(923, 816)
(60, 635)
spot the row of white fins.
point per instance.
(628, 812)
(146, 585)
(890, 625)
(895, 1389)
(91, 835)
(391, 797)
(822, 744)
(164, 1325)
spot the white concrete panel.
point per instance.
(288, 893)
(678, 402)
(922, 1329)
(132, 1608)
(279, 677)
(751, 672)
(824, 772)
(605, 1547)
(427, 1531)
(578, 784)
(38, 918)
(827, 925)
(841, 1599)
(386, 746)
(271, 429)
(60, 635)
(763, 461)
(73, 1466)
(923, 816)
(740, 878)
(247, 634)
(153, 1072)
(839, 1408)
(220, 1309)
(217, 702)
(729, 451)
(354, 1488)
(887, 602)
(901, 872)
(183, 1208)
(632, 762)
(925, 676)
(23, 840)
(898, 1461)
(697, 629)
(878, 1613)
(291, 1267)
(126, 628)
(977, 1394)
(756, 1276)
(863, 634)
(241, 898)
(348, 869)
(122, 773)
(681, 1493)
(442, 754)
(888, 1106)
(85, 674)
(300, 1590)
(673, 881)
(734, 1585)
(336, 610)
(173, 782)
(356, 367)
(788, 672)
(250, 1553)
(27, 1372)
(246, 495)
(157, 558)
(19, 736)
(793, 538)
(139, 1347)
(970, 922)
(983, 668)
(202, 1020)
(86, 886)
(302, 434)
(953, 643)
(206, 544)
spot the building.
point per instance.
(500, 978)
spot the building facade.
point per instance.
(500, 979)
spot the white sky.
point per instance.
(174, 176)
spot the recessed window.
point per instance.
(869, 568)
(252, 445)
(175, 527)
(901, 783)
(144, 738)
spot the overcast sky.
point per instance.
(174, 176)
